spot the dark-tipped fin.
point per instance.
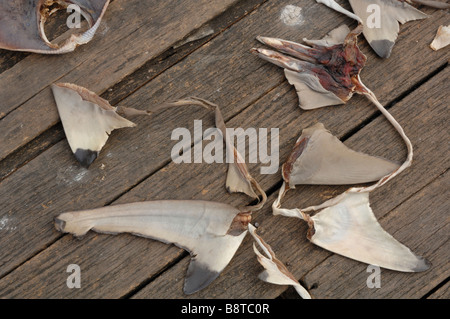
(85, 157)
(198, 277)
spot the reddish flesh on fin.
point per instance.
(336, 67)
(297, 151)
(339, 66)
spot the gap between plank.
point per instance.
(276, 187)
(272, 189)
(244, 10)
(439, 286)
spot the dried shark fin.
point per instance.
(237, 183)
(22, 24)
(334, 37)
(382, 37)
(324, 73)
(310, 92)
(88, 120)
(442, 38)
(211, 232)
(239, 179)
(349, 228)
(275, 271)
(319, 158)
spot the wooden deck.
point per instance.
(134, 60)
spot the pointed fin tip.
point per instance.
(86, 157)
(237, 183)
(382, 47)
(198, 277)
(60, 225)
(260, 39)
(423, 265)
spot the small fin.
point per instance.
(442, 38)
(238, 177)
(310, 92)
(236, 183)
(275, 271)
(334, 37)
(87, 121)
(382, 37)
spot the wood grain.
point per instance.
(207, 183)
(421, 224)
(135, 165)
(131, 36)
(131, 83)
(293, 247)
(442, 293)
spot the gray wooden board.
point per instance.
(207, 183)
(37, 192)
(143, 36)
(293, 247)
(441, 293)
(28, 121)
(132, 82)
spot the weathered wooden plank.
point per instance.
(423, 122)
(70, 174)
(67, 189)
(206, 182)
(151, 135)
(132, 82)
(22, 156)
(422, 222)
(143, 36)
(441, 293)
